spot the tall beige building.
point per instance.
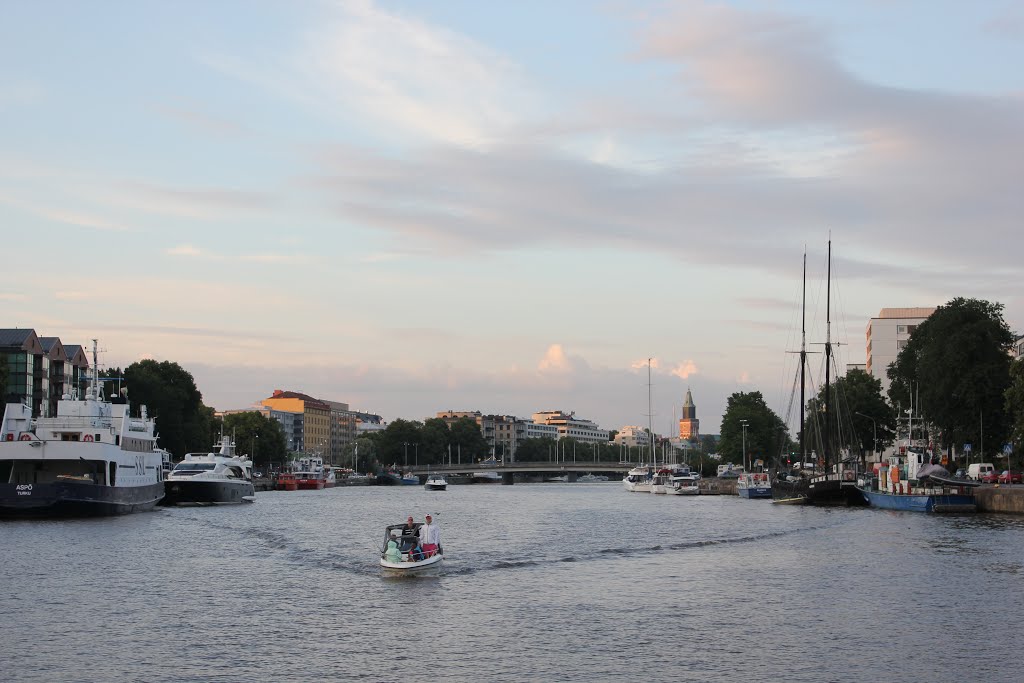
(887, 334)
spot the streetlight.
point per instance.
(416, 453)
(405, 444)
(874, 433)
(743, 425)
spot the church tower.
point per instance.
(689, 425)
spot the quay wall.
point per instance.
(1000, 499)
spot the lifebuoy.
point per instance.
(25, 437)
(87, 437)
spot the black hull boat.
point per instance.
(207, 493)
(93, 458)
(76, 499)
(819, 489)
(216, 478)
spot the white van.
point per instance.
(978, 470)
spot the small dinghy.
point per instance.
(402, 559)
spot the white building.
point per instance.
(632, 436)
(887, 334)
(570, 426)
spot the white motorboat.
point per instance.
(685, 483)
(93, 458)
(214, 478)
(638, 479)
(409, 562)
(661, 481)
(436, 482)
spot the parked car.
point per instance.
(989, 478)
(961, 473)
(1008, 477)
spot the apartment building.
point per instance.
(570, 426)
(887, 334)
(316, 419)
(40, 369)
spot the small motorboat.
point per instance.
(436, 482)
(407, 565)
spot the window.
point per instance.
(901, 329)
(901, 344)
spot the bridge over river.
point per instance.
(509, 470)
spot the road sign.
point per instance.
(967, 448)
(1008, 448)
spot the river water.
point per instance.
(542, 582)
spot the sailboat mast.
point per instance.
(650, 416)
(803, 363)
(828, 355)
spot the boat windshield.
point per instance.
(194, 466)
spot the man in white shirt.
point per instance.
(430, 537)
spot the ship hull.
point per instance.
(75, 499)
(207, 492)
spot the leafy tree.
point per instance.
(170, 394)
(860, 416)
(766, 433)
(396, 444)
(535, 450)
(1015, 405)
(468, 440)
(956, 364)
(435, 438)
(258, 436)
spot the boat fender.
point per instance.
(25, 437)
(87, 437)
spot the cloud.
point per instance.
(554, 361)
(186, 250)
(685, 369)
(408, 76)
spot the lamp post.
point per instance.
(743, 426)
(405, 445)
(416, 454)
(874, 434)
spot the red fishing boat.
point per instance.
(286, 481)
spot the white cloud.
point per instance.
(554, 360)
(187, 250)
(408, 75)
(685, 369)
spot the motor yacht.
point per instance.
(216, 478)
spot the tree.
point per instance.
(468, 440)
(170, 394)
(397, 443)
(766, 433)
(1015, 405)
(860, 415)
(258, 436)
(435, 438)
(956, 365)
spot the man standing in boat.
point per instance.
(430, 537)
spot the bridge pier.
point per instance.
(573, 474)
(508, 478)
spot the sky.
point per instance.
(415, 206)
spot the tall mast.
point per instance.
(94, 392)
(828, 355)
(803, 361)
(650, 416)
